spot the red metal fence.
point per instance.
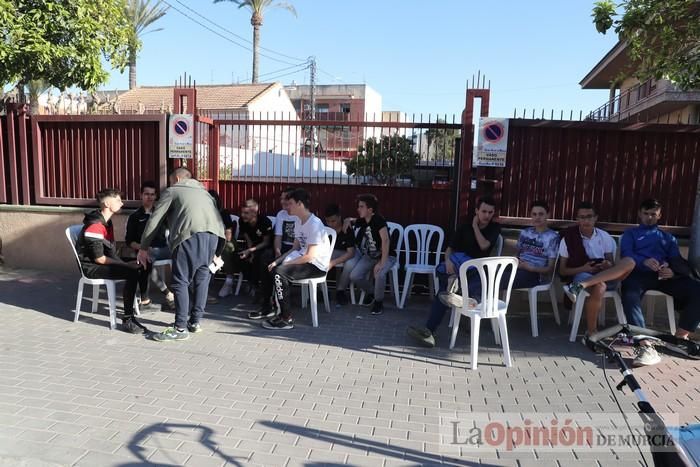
(404, 205)
(64, 160)
(615, 166)
(75, 157)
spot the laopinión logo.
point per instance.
(466, 432)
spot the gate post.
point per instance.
(465, 197)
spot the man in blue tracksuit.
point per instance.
(659, 266)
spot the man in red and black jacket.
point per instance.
(98, 258)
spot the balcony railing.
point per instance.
(625, 104)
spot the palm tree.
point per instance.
(141, 14)
(257, 7)
(36, 87)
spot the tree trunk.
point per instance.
(132, 69)
(694, 251)
(256, 50)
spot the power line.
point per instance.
(302, 66)
(286, 74)
(233, 33)
(224, 37)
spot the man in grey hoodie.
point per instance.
(196, 237)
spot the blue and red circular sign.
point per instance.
(181, 127)
(493, 132)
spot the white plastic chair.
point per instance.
(394, 271)
(532, 299)
(498, 249)
(490, 271)
(237, 220)
(161, 264)
(426, 260)
(670, 308)
(313, 284)
(72, 233)
(578, 311)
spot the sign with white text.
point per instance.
(180, 136)
(492, 143)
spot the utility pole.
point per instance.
(312, 83)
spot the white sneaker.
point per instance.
(454, 300)
(226, 290)
(646, 355)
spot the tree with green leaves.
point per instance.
(385, 159)
(257, 8)
(141, 14)
(62, 43)
(441, 142)
(663, 37)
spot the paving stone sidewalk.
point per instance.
(354, 391)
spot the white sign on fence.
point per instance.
(180, 136)
(492, 143)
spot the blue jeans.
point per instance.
(684, 290)
(191, 261)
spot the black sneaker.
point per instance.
(340, 298)
(377, 308)
(194, 328)
(262, 313)
(422, 335)
(129, 325)
(368, 301)
(278, 323)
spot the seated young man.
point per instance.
(377, 256)
(258, 234)
(343, 253)
(308, 258)
(475, 239)
(98, 258)
(587, 262)
(658, 265)
(232, 263)
(284, 226)
(158, 250)
(537, 247)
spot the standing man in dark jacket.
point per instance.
(196, 237)
(98, 258)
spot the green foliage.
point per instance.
(62, 42)
(441, 142)
(663, 37)
(259, 6)
(385, 160)
(141, 14)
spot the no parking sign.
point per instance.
(180, 136)
(492, 143)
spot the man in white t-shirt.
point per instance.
(587, 259)
(284, 226)
(308, 258)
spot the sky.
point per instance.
(419, 55)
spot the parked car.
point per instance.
(441, 182)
